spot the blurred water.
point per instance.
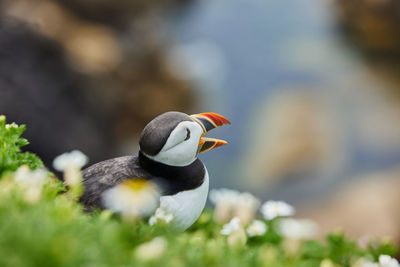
(245, 56)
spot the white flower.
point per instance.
(237, 239)
(387, 261)
(26, 177)
(161, 215)
(133, 198)
(225, 201)
(384, 261)
(233, 226)
(31, 181)
(73, 159)
(248, 200)
(257, 228)
(272, 209)
(151, 250)
(298, 228)
(12, 125)
(2, 118)
(224, 195)
(71, 164)
(235, 232)
(231, 203)
(246, 207)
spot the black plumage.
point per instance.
(106, 174)
(156, 133)
(170, 179)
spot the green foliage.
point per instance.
(313, 251)
(56, 232)
(384, 247)
(11, 156)
(53, 230)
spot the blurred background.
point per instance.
(312, 88)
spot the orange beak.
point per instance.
(209, 121)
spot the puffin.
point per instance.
(165, 173)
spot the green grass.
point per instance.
(11, 142)
(54, 231)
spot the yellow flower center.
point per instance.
(136, 184)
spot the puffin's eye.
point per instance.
(187, 134)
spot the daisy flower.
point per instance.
(387, 261)
(272, 209)
(12, 125)
(73, 159)
(71, 164)
(246, 207)
(232, 226)
(225, 201)
(298, 228)
(161, 215)
(26, 177)
(224, 195)
(133, 198)
(384, 261)
(31, 181)
(256, 228)
(235, 232)
(151, 250)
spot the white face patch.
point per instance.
(177, 151)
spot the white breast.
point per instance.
(186, 206)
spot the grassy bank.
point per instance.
(42, 224)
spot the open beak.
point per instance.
(209, 121)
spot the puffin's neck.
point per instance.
(192, 174)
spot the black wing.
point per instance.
(106, 174)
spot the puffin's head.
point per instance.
(175, 138)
